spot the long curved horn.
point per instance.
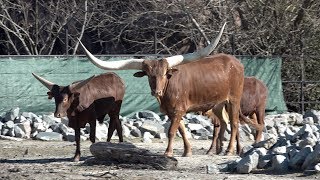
(45, 82)
(77, 85)
(175, 60)
(113, 65)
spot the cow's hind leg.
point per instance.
(92, 136)
(260, 126)
(175, 124)
(115, 123)
(216, 124)
(76, 157)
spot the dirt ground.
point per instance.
(33, 159)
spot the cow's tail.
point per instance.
(247, 120)
(225, 115)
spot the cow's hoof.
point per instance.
(211, 151)
(188, 154)
(229, 153)
(76, 159)
(167, 154)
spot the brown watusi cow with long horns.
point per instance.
(201, 84)
(87, 101)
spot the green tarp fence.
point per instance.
(18, 88)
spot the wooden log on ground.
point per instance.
(127, 153)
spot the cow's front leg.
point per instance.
(76, 157)
(187, 147)
(234, 122)
(175, 123)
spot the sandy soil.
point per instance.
(32, 159)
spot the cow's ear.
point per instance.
(49, 95)
(170, 72)
(139, 74)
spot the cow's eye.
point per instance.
(65, 99)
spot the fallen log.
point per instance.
(127, 153)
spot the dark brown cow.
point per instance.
(181, 88)
(253, 105)
(86, 101)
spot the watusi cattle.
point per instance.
(199, 85)
(252, 105)
(87, 101)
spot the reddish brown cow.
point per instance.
(86, 101)
(253, 105)
(181, 88)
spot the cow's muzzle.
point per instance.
(59, 115)
(157, 93)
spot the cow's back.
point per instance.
(199, 85)
(103, 91)
(254, 95)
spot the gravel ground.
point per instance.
(32, 159)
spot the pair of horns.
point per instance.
(72, 87)
(137, 63)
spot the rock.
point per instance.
(9, 124)
(152, 127)
(212, 169)
(247, 150)
(127, 153)
(308, 120)
(314, 114)
(147, 115)
(1, 125)
(279, 150)
(26, 128)
(51, 120)
(65, 130)
(11, 132)
(49, 136)
(261, 151)
(10, 138)
(135, 132)
(265, 161)
(248, 163)
(39, 126)
(194, 127)
(137, 123)
(317, 167)
(19, 133)
(161, 136)
(280, 164)
(12, 114)
(312, 159)
(125, 131)
(147, 137)
(101, 131)
(267, 144)
(298, 158)
(20, 119)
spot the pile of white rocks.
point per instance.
(146, 125)
(291, 143)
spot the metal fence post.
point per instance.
(155, 42)
(302, 84)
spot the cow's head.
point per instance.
(158, 71)
(64, 96)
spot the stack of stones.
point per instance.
(146, 125)
(291, 143)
